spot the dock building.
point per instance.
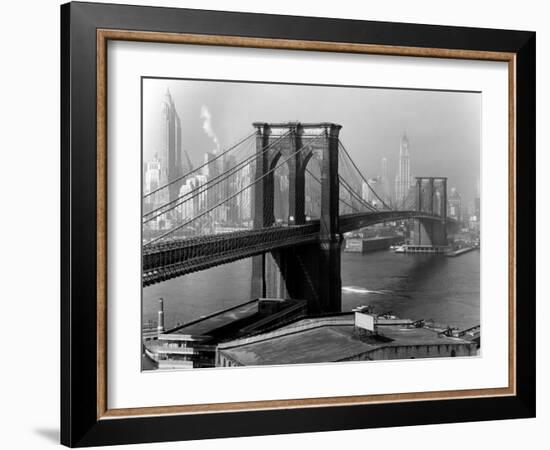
(193, 344)
(355, 336)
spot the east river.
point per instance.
(412, 286)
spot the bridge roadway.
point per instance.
(172, 259)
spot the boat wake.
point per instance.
(362, 290)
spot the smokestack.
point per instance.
(160, 326)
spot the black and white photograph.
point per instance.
(275, 225)
(307, 224)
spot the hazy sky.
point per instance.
(443, 127)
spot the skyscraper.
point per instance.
(152, 175)
(244, 205)
(403, 178)
(170, 155)
(384, 180)
(367, 193)
(186, 209)
(454, 205)
(477, 202)
(152, 182)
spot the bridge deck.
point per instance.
(178, 257)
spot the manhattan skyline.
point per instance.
(443, 128)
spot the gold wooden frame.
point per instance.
(104, 35)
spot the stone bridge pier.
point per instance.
(431, 197)
(311, 271)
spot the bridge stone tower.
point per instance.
(431, 197)
(310, 271)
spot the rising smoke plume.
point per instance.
(207, 126)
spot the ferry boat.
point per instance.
(411, 248)
(364, 245)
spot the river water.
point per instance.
(412, 286)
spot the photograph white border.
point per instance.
(128, 387)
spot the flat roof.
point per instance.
(207, 324)
(302, 342)
(323, 344)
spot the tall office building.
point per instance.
(186, 209)
(193, 197)
(170, 153)
(368, 190)
(365, 191)
(454, 205)
(201, 199)
(403, 179)
(244, 205)
(152, 181)
(477, 202)
(154, 197)
(384, 181)
(152, 176)
(230, 189)
(211, 170)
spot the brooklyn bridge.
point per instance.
(296, 250)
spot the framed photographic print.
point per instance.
(268, 220)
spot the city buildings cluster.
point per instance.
(189, 196)
(469, 214)
(217, 192)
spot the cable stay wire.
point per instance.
(362, 176)
(345, 164)
(339, 198)
(226, 174)
(356, 195)
(209, 185)
(348, 205)
(231, 196)
(225, 200)
(201, 189)
(407, 202)
(181, 177)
